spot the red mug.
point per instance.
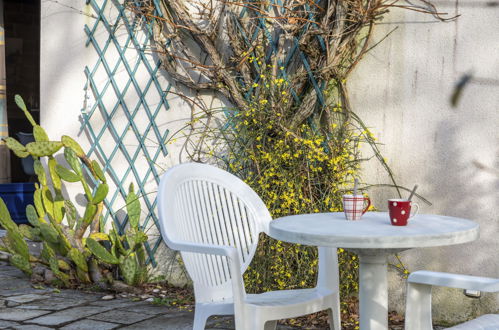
(400, 211)
(353, 206)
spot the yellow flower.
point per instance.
(263, 102)
(255, 85)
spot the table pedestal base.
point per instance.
(373, 287)
(373, 292)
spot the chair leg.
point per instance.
(334, 318)
(334, 314)
(200, 318)
(270, 325)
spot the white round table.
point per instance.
(373, 238)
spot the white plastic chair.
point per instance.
(418, 305)
(214, 219)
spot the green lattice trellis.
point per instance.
(110, 89)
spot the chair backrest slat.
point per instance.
(202, 204)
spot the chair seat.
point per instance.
(484, 322)
(290, 298)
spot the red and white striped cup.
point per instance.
(355, 206)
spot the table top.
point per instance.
(373, 231)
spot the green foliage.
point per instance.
(79, 259)
(66, 175)
(100, 193)
(41, 149)
(5, 219)
(20, 262)
(101, 252)
(129, 268)
(72, 144)
(133, 207)
(39, 134)
(66, 252)
(18, 149)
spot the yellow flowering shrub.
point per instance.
(295, 170)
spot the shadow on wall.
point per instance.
(458, 188)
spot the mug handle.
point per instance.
(368, 204)
(417, 209)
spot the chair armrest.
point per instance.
(485, 284)
(232, 255)
(221, 250)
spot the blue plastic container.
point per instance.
(17, 196)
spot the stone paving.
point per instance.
(23, 306)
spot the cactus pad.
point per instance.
(99, 236)
(32, 215)
(73, 161)
(66, 175)
(49, 233)
(48, 201)
(89, 214)
(56, 180)
(100, 193)
(129, 268)
(98, 171)
(37, 198)
(71, 213)
(41, 149)
(30, 232)
(17, 243)
(100, 252)
(40, 172)
(70, 143)
(47, 252)
(133, 207)
(79, 259)
(5, 219)
(40, 134)
(18, 149)
(20, 262)
(20, 103)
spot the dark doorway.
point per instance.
(22, 61)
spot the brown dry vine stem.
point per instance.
(207, 46)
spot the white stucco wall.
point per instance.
(402, 90)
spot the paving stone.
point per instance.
(25, 298)
(54, 304)
(121, 316)
(147, 308)
(116, 303)
(90, 325)
(19, 314)
(173, 321)
(68, 315)
(78, 295)
(17, 290)
(7, 324)
(30, 327)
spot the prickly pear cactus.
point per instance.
(129, 268)
(76, 249)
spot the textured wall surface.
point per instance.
(402, 91)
